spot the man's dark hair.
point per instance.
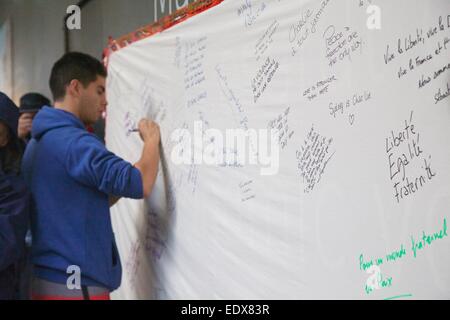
(74, 66)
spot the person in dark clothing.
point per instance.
(30, 104)
(14, 199)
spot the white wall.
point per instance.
(38, 35)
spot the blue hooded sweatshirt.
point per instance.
(71, 176)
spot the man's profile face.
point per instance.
(93, 101)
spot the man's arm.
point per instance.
(149, 161)
(88, 162)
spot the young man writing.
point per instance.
(74, 180)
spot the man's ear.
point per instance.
(74, 88)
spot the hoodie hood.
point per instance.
(9, 113)
(50, 119)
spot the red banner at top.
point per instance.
(159, 26)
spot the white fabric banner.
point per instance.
(349, 200)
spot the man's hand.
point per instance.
(149, 131)
(25, 124)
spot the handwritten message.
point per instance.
(305, 26)
(130, 124)
(265, 40)
(189, 58)
(250, 12)
(236, 107)
(409, 168)
(152, 103)
(133, 262)
(264, 77)
(341, 44)
(194, 55)
(319, 88)
(418, 243)
(154, 240)
(349, 106)
(313, 157)
(246, 190)
(437, 41)
(281, 124)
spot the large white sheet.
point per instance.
(359, 205)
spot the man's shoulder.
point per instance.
(66, 137)
(57, 144)
(85, 140)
